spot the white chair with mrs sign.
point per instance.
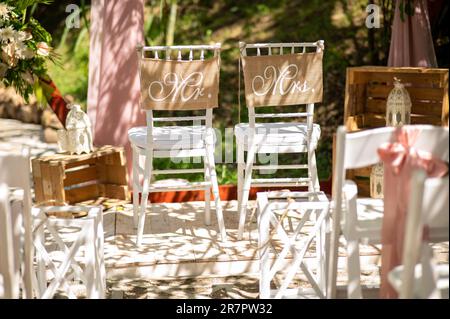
(292, 77)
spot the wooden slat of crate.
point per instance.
(57, 177)
(431, 108)
(83, 193)
(416, 75)
(112, 174)
(82, 175)
(415, 93)
(113, 159)
(113, 191)
(37, 176)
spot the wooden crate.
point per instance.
(79, 178)
(366, 92)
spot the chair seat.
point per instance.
(277, 133)
(370, 219)
(171, 137)
(422, 288)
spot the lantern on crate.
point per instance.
(398, 106)
(77, 137)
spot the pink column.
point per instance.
(113, 101)
(411, 40)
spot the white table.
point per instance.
(309, 208)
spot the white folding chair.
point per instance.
(9, 274)
(419, 276)
(275, 138)
(85, 235)
(362, 218)
(15, 172)
(174, 142)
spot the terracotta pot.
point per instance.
(227, 192)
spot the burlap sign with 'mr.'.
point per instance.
(287, 79)
(179, 85)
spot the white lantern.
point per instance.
(398, 106)
(376, 181)
(77, 137)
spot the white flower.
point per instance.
(22, 36)
(23, 51)
(4, 11)
(8, 54)
(3, 69)
(43, 49)
(7, 34)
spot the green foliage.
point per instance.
(406, 7)
(21, 5)
(72, 76)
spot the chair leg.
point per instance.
(240, 173)
(246, 189)
(314, 185)
(320, 258)
(144, 198)
(135, 185)
(207, 195)
(90, 270)
(41, 269)
(263, 246)
(353, 270)
(100, 272)
(215, 189)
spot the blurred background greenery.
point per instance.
(340, 23)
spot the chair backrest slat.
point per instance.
(361, 147)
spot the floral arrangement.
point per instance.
(24, 52)
(25, 48)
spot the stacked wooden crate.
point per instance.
(366, 92)
(79, 178)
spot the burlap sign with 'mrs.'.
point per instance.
(288, 79)
(179, 85)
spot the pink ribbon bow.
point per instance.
(400, 160)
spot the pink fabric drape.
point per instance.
(400, 159)
(113, 102)
(411, 40)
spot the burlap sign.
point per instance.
(179, 85)
(287, 79)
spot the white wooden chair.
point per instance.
(86, 234)
(275, 138)
(362, 218)
(174, 142)
(306, 207)
(28, 233)
(9, 274)
(15, 173)
(419, 276)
